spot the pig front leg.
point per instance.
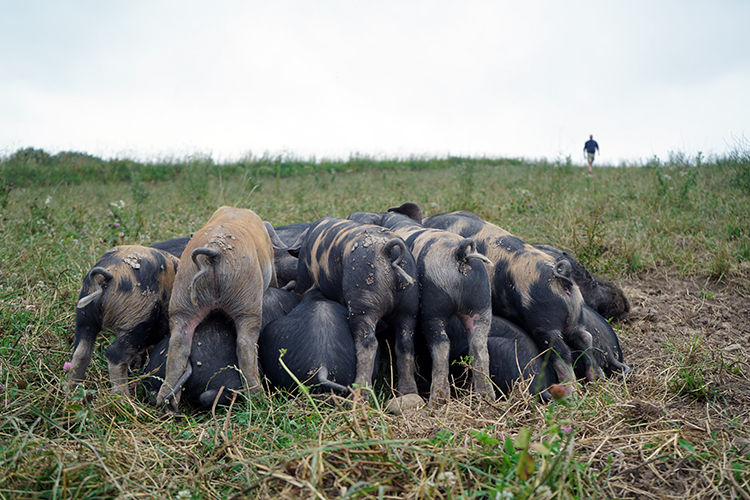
(248, 331)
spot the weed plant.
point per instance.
(62, 212)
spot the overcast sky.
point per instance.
(151, 79)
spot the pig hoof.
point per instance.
(404, 404)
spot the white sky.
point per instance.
(153, 79)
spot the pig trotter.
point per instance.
(178, 386)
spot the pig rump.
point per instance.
(126, 292)
(318, 344)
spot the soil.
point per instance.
(679, 419)
(687, 341)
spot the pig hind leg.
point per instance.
(581, 340)
(182, 327)
(439, 345)
(407, 383)
(120, 354)
(82, 353)
(365, 344)
(559, 354)
(478, 350)
(248, 331)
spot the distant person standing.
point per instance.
(591, 148)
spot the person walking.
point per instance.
(591, 148)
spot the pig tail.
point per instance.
(98, 291)
(467, 250)
(398, 242)
(213, 257)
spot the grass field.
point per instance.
(685, 217)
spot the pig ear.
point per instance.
(275, 240)
(409, 209)
(294, 248)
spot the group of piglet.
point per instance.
(321, 303)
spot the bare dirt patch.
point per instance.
(687, 340)
(675, 426)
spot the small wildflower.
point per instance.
(81, 196)
(184, 495)
(49, 198)
(110, 214)
(5, 401)
(446, 478)
(84, 230)
(116, 224)
(504, 495)
(67, 366)
(567, 429)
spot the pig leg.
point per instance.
(248, 331)
(581, 340)
(365, 344)
(182, 327)
(478, 327)
(119, 356)
(439, 345)
(87, 329)
(559, 353)
(407, 383)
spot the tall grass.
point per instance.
(61, 212)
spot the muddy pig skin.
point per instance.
(453, 280)
(227, 265)
(514, 356)
(213, 356)
(531, 289)
(319, 346)
(602, 296)
(369, 270)
(606, 351)
(284, 263)
(126, 292)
